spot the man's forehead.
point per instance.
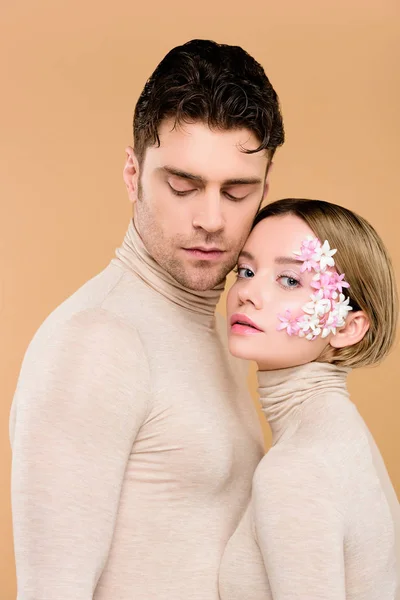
(237, 136)
(199, 135)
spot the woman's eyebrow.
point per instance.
(246, 254)
(286, 260)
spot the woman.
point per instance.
(315, 297)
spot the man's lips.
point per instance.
(241, 323)
(204, 252)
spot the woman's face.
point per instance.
(270, 282)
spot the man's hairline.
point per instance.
(269, 151)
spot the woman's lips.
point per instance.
(243, 325)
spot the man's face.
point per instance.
(195, 199)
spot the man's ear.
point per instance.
(131, 174)
(353, 331)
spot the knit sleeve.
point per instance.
(81, 398)
(299, 530)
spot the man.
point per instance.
(134, 438)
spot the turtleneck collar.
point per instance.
(135, 257)
(284, 391)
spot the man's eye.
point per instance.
(234, 198)
(179, 192)
(244, 272)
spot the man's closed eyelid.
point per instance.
(179, 191)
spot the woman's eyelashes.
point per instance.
(243, 272)
(289, 281)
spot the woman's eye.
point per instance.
(289, 282)
(244, 272)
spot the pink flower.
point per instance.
(330, 283)
(308, 265)
(288, 323)
(326, 282)
(338, 281)
(308, 249)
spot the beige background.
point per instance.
(72, 72)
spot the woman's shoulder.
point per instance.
(288, 463)
(326, 458)
(285, 476)
(331, 430)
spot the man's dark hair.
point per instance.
(217, 84)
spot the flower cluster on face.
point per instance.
(328, 307)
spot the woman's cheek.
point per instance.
(294, 305)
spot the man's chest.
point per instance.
(202, 426)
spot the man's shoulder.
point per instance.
(87, 309)
(92, 331)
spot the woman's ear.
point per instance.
(353, 331)
(131, 175)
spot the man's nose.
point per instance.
(209, 214)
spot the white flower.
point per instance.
(309, 327)
(323, 255)
(318, 305)
(327, 330)
(304, 324)
(342, 307)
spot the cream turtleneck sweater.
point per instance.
(323, 520)
(134, 442)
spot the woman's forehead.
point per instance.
(277, 236)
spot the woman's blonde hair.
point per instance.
(363, 258)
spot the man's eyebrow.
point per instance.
(182, 174)
(243, 181)
(200, 179)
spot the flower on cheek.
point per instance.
(329, 282)
(328, 308)
(289, 323)
(309, 327)
(342, 308)
(324, 255)
(318, 305)
(307, 253)
(308, 265)
(338, 281)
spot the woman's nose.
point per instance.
(248, 293)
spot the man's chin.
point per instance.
(202, 285)
(201, 281)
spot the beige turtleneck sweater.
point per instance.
(322, 520)
(134, 442)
